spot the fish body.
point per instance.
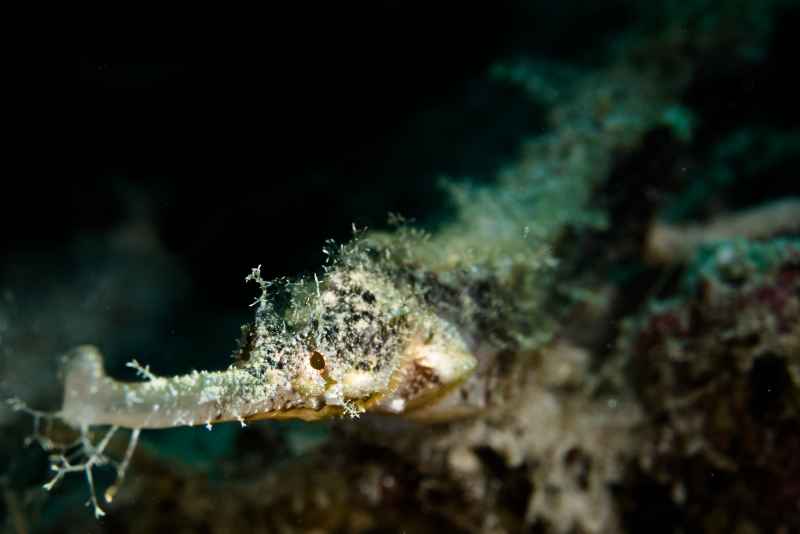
(357, 341)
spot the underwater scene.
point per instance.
(517, 267)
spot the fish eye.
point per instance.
(317, 361)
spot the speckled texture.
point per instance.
(719, 375)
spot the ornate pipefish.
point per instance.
(377, 332)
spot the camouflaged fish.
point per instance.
(376, 333)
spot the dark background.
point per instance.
(252, 139)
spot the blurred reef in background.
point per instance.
(667, 398)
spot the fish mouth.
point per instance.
(92, 398)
